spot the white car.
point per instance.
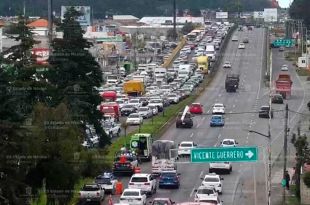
(154, 109)
(135, 102)
(213, 180)
(284, 68)
(241, 46)
(227, 64)
(145, 112)
(229, 143)
(133, 197)
(185, 147)
(212, 199)
(134, 119)
(218, 108)
(157, 102)
(234, 38)
(204, 192)
(173, 98)
(220, 166)
(145, 182)
(120, 103)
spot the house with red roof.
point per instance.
(39, 27)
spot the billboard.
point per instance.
(270, 15)
(84, 19)
(41, 55)
(258, 14)
(221, 15)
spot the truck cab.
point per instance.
(141, 143)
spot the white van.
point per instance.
(185, 71)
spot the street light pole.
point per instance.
(269, 162)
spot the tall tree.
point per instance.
(75, 73)
(300, 10)
(302, 155)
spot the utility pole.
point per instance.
(24, 8)
(50, 22)
(174, 20)
(285, 150)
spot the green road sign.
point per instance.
(284, 42)
(224, 154)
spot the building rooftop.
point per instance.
(163, 20)
(124, 17)
(39, 23)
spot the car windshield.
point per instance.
(216, 117)
(139, 179)
(160, 202)
(133, 116)
(128, 106)
(143, 109)
(103, 180)
(264, 108)
(205, 191)
(134, 101)
(168, 175)
(155, 101)
(218, 105)
(131, 193)
(228, 142)
(90, 188)
(211, 179)
(119, 101)
(186, 145)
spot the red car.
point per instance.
(162, 201)
(196, 108)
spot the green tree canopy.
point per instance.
(300, 10)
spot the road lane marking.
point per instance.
(201, 173)
(192, 192)
(192, 135)
(234, 106)
(254, 176)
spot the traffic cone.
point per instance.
(119, 188)
(137, 170)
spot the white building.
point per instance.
(156, 21)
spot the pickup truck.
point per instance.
(111, 129)
(92, 192)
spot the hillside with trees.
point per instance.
(138, 8)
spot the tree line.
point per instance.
(44, 113)
(138, 8)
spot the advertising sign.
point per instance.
(41, 55)
(84, 19)
(221, 15)
(270, 15)
(258, 14)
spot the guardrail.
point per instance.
(174, 53)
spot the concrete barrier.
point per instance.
(174, 54)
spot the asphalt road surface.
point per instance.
(247, 182)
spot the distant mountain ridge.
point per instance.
(138, 8)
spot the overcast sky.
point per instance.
(284, 3)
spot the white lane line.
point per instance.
(201, 173)
(192, 192)
(218, 140)
(234, 106)
(191, 135)
(235, 186)
(254, 176)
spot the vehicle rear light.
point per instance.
(147, 184)
(131, 184)
(98, 193)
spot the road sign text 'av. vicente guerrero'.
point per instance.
(224, 154)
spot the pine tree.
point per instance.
(75, 73)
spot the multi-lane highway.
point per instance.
(247, 182)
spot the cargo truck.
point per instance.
(203, 64)
(110, 109)
(141, 144)
(134, 87)
(283, 85)
(232, 82)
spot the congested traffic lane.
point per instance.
(203, 135)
